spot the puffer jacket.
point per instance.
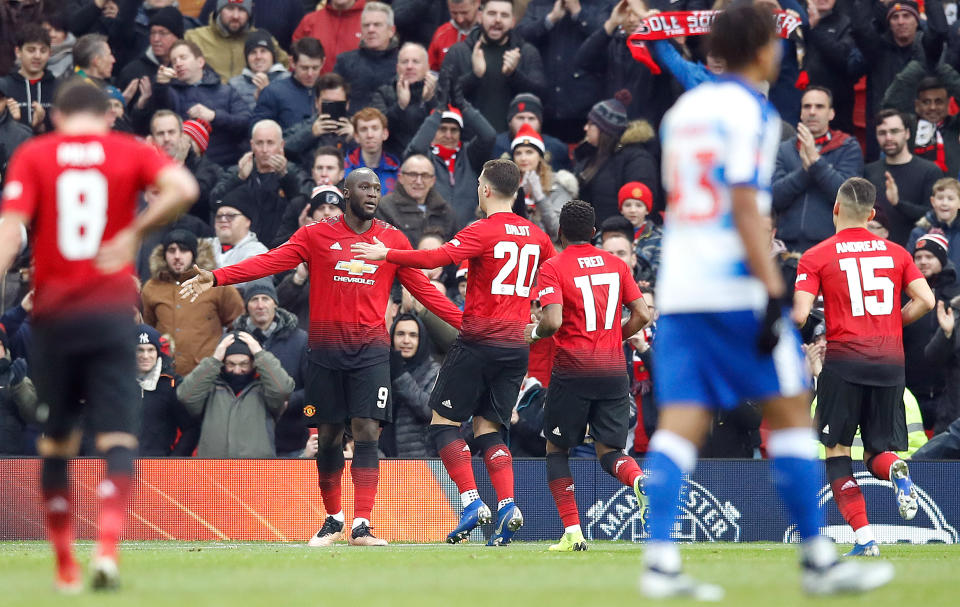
(236, 425)
(243, 83)
(195, 327)
(411, 397)
(286, 101)
(400, 210)
(546, 212)
(950, 230)
(224, 53)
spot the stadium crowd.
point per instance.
(271, 104)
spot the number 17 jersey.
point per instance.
(861, 277)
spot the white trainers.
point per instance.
(656, 584)
(846, 577)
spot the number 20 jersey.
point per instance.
(77, 192)
(717, 136)
(861, 277)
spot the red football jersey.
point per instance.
(348, 296)
(861, 277)
(592, 286)
(78, 191)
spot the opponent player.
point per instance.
(482, 373)
(861, 278)
(76, 191)
(348, 374)
(583, 291)
(715, 345)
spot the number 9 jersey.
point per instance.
(716, 137)
(77, 192)
(861, 277)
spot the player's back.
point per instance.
(716, 137)
(592, 285)
(79, 191)
(861, 277)
(505, 251)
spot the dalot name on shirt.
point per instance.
(513, 230)
(861, 246)
(80, 154)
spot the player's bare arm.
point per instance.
(549, 324)
(921, 301)
(197, 285)
(802, 305)
(11, 238)
(640, 317)
(752, 233)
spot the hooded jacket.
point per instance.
(17, 87)
(236, 425)
(243, 83)
(411, 396)
(951, 231)
(224, 53)
(402, 211)
(195, 327)
(337, 31)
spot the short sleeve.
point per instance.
(21, 192)
(808, 275)
(630, 291)
(467, 243)
(548, 285)
(744, 140)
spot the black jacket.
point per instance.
(413, 381)
(403, 122)
(208, 175)
(12, 134)
(18, 404)
(925, 377)
(17, 87)
(271, 192)
(827, 63)
(163, 415)
(366, 69)
(402, 211)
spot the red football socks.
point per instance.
(329, 474)
(499, 461)
(880, 463)
(113, 494)
(365, 471)
(455, 455)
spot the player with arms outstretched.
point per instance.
(481, 375)
(715, 345)
(348, 374)
(861, 278)
(76, 191)
(583, 291)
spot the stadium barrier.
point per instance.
(278, 500)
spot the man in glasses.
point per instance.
(415, 204)
(233, 215)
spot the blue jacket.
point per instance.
(366, 70)
(286, 101)
(803, 200)
(951, 232)
(387, 169)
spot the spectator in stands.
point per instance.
(93, 59)
(636, 204)
(375, 61)
(810, 168)
(904, 182)
(32, 85)
(413, 373)
(323, 129)
(336, 26)
(137, 38)
(187, 144)
(194, 327)
(290, 100)
(558, 29)
(222, 41)
(526, 108)
(942, 218)
(12, 131)
(925, 379)
(371, 132)
(614, 152)
(166, 429)
(265, 178)
(463, 17)
(943, 351)
(456, 162)
(240, 392)
(407, 101)
(235, 240)
(417, 20)
(415, 204)
(275, 329)
(165, 27)
(827, 61)
(937, 134)
(545, 190)
(196, 92)
(61, 44)
(493, 64)
(328, 169)
(262, 68)
(18, 402)
(279, 17)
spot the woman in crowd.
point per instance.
(546, 191)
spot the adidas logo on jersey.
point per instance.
(499, 453)
(336, 247)
(447, 404)
(826, 429)
(556, 431)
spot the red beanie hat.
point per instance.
(637, 191)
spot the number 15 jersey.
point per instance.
(861, 277)
(77, 192)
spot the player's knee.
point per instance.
(329, 436)
(365, 429)
(120, 460)
(108, 440)
(439, 420)
(551, 448)
(482, 425)
(59, 446)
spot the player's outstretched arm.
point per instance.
(11, 238)
(921, 301)
(640, 316)
(377, 251)
(423, 291)
(195, 287)
(802, 305)
(550, 320)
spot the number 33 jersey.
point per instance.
(77, 192)
(861, 277)
(716, 137)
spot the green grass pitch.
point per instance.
(276, 575)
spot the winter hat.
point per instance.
(238, 347)
(452, 114)
(908, 6)
(240, 199)
(199, 130)
(934, 243)
(115, 93)
(462, 270)
(169, 18)
(184, 238)
(261, 38)
(525, 102)
(246, 5)
(325, 194)
(148, 335)
(610, 115)
(261, 286)
(527, 136)
(637, 191)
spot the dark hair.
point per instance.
(329, 82)
(928, 83)
(432, 232)
(77, 95)
(195, 50)
(503, 175)
(606, 146)
(329, 150)
(32, 32)
(577, 219)
(88, 48)
(308, 47)
(738, 34)
(822, 89)
(890, 113)
(617, 224)
(57, 21)
(857, 195)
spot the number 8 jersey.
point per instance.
(716, 137)
(77, 192)
(861, 277)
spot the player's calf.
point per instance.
(848, 497)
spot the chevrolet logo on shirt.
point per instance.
(356, 268)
